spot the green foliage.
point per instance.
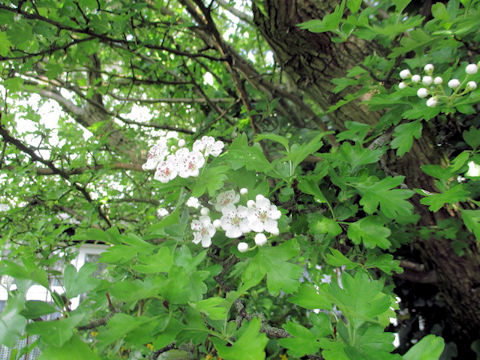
(341, 193)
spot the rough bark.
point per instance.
(312, 61)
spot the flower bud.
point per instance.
(438, 80)
(471, 85)
(427, 80)
(204, 211)
(405, 74)
(471, 69)
(454, 83)
(402, 85)
(260, 239)
(432, 102)
(422, 93)
(243, 191)
(250, 203)
(416, 78)
(242, 247)
(429, 68)
(181, 143)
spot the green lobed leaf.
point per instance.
(80, 282)
(56, 332)
(361, 298)
(249, 346)
(404, 135)
(357, 155)
(336, 258)
(319, 224)
(4, 44)
(12, 323)
(215, 308)
(35, 308)
(303, 341)
(429, 348)
(370, 231)
(454, 194)
(472, 137)
(380, 194)
(74, 349)
(273, 262)
(311, 297)
(273, 137)
(119, 326)
(156, 263)
(471, 218)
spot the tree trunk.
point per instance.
(312, 61)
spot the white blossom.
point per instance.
(243, 191)
(454, 83)
(471, 85)
(162, 212)
(429, 68)
(438, 80)
(402, 85)
(189, 162)
(242, 247)
(234, 221)
(260, 239)
(193, 202)
(208, 146)
(471, 69)
(263, 216)
(166, 170)
(432, 102)
(422, 93)
(217, 223)
(225, 199)
(416, 78)
(203, 231)
(473, 169)
(326, 279)
(427, 80)
(156, 154)
(405, 74)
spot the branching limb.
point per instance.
(31, 152)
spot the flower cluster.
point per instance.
(433, 85)
(258, 216)
(179, 160)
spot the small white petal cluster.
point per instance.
(203, 231)
(179, 160)
(429, 68)
(208, 146)
(471, 85)
(405, 74)
(416, 78)
(225, 199)
(432, 102)
(193, 202)
(263, 216)
(432, 85)
(236, 220)
(471, 69)
(422, 93)
(453, 84)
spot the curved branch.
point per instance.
(29, 151)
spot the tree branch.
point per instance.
(29, 151)
(239, 14)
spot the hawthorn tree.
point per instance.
(272, 179)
